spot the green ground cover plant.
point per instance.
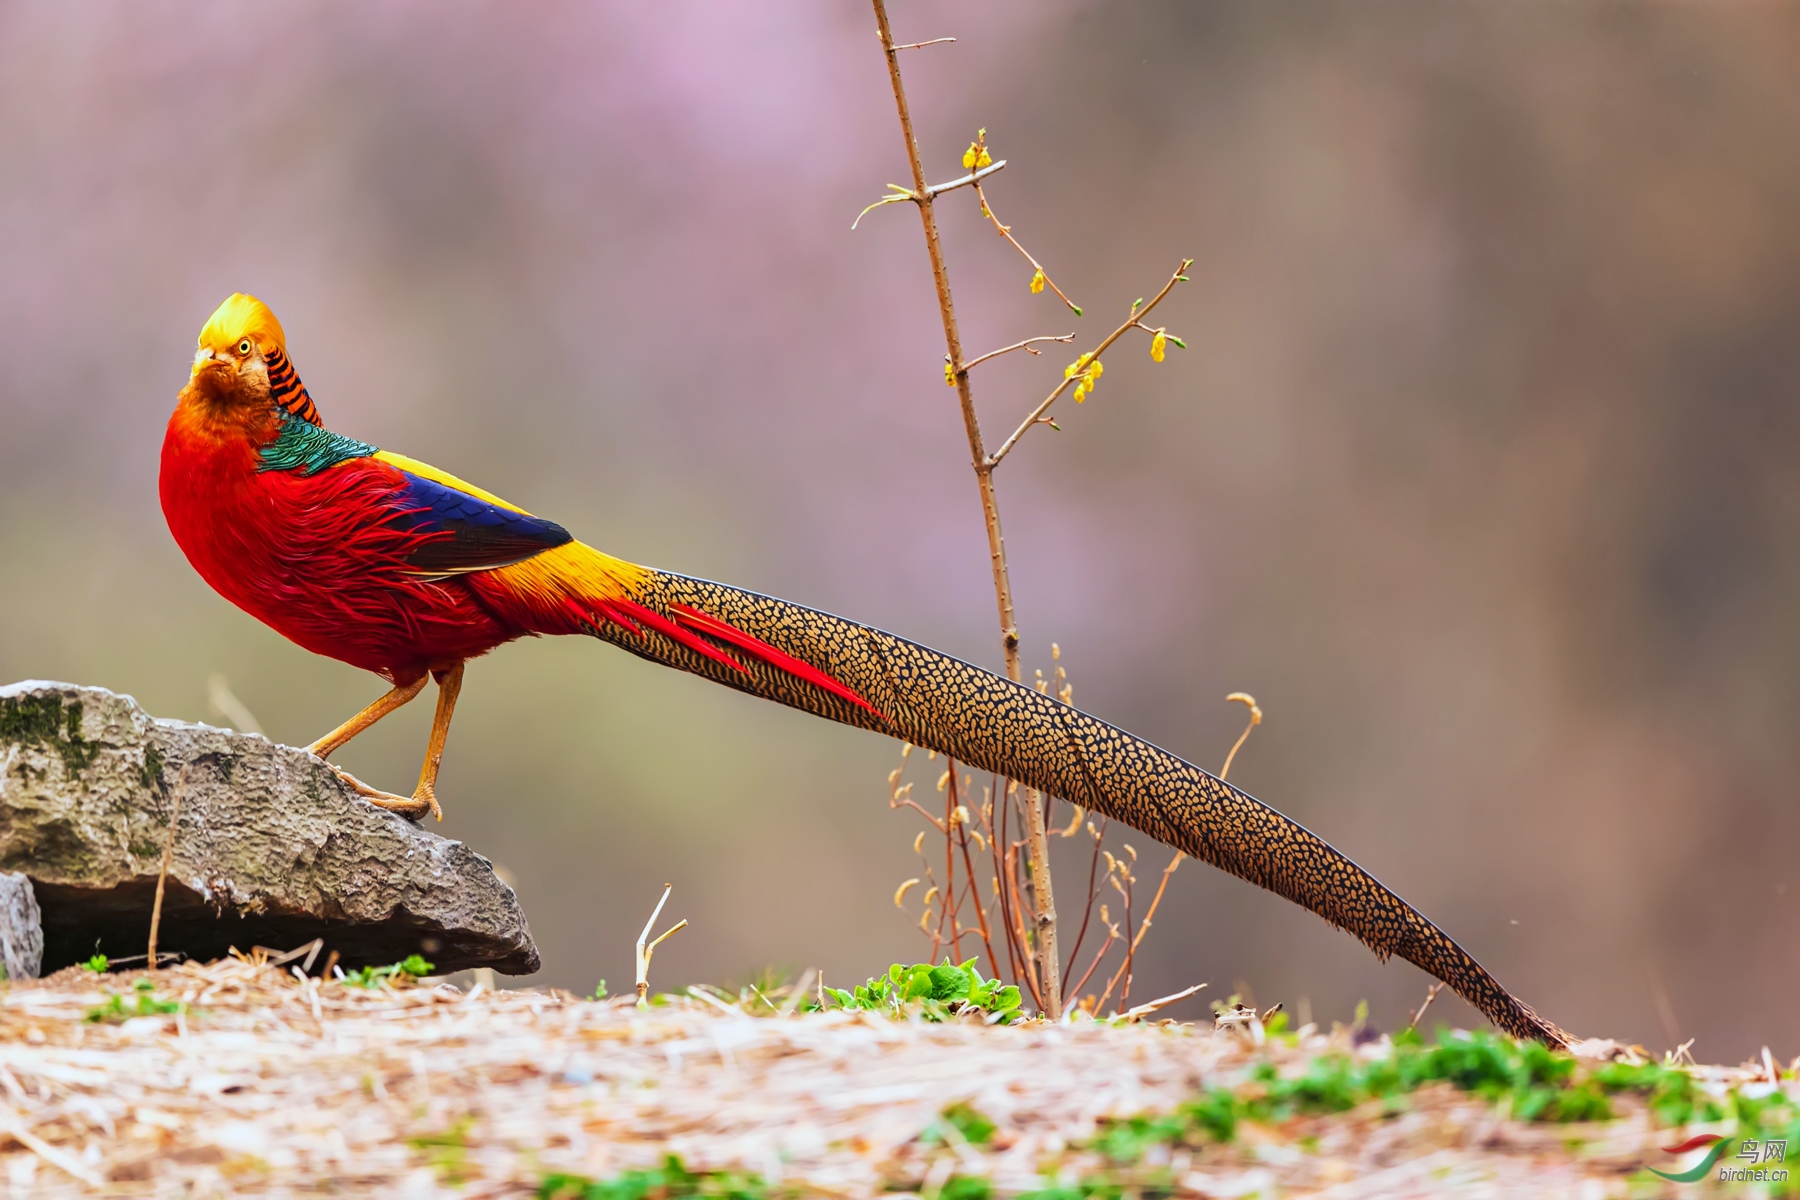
(935, 993)
(144, 1004)
(413, 966)
(1525, 1080)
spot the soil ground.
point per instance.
(272, 1084)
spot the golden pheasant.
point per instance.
(407, 571)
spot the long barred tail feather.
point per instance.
(862, 676)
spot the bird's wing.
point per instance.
(473, 530)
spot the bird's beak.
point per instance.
(212, 373)
(204, 358)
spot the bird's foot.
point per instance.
(428, 794)
(413, 808)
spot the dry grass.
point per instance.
(270, 1085)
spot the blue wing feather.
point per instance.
(474, 535)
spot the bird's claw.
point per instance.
(413, 808)
(428, 794)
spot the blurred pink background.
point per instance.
(1482, 470)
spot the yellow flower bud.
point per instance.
(970, 154)
(1080, 392)
(949, 375)
(984, 159)
(1158, 346)
(1037, 282)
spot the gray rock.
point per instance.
(21, 927)
(271, 848)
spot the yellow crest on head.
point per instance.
(241, 317)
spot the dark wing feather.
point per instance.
(470, 534)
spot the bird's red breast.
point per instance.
(376, 559)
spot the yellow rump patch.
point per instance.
(573, 571)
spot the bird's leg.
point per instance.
(335, 740)
(449, 684)
(338, 738)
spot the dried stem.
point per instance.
(1016, 954)
(1043, 903)
(163, 874)
(1112, 935)
(1244, 698)
(1429, 997)
(1256, 715)
(950, 861)
(1087, 912)
(919, 45)
(962, 832)
(1131, 322)
(645, 951)
(1144, 1010)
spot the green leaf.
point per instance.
(950, 983)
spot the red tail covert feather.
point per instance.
(690, 623)
(714, 627)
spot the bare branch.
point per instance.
(975, 178)
(1137, 313)
(918, 45)
(1005, 231)
(1024, 345)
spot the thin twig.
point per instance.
(1256, 716)
(1024, 345)
(1145, 1009)
(1112, 935)
(1157, 899)
(1429, 997)
(972, 179)
(163, 874)
(949, 900)
(1006, 232)
(918, 45)
(1087, 913)
(980, 911)
(1016, 956)
(1244, 698)
(1049, 965)
(1179, 276)
(644, 952)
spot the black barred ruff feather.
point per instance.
(286, 389)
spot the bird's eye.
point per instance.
(244, 346)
